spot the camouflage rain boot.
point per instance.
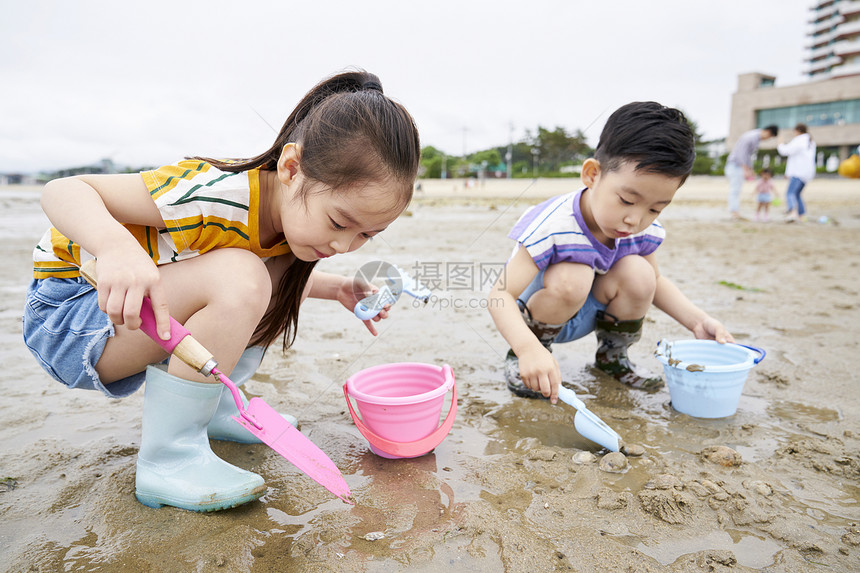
(614, 337)
(546, 333)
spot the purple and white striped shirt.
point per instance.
(555, 232)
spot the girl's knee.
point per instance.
(243, 279)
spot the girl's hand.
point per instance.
(353, 290)
(125, 276)
(712, 329)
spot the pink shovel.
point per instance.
(258, 418)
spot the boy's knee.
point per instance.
(640, 277)
(633, 276)
(566, 287)
(569, 294)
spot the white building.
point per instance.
(834, 39)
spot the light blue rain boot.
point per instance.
(223, 426)
(175, 465)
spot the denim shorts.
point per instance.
(582, 324)
(67, 332)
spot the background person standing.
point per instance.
(799, 169)
(739, 164)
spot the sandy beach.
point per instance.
(513, 487)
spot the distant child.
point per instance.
(764, 195)
(585, 261)
(228, 248)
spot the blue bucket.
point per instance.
(706, 378)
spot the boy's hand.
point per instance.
(540, 372)
(712, 329)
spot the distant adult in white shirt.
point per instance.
(799, 169)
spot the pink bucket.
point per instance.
(400, 406)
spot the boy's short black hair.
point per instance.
(773, 129)
(658, 139)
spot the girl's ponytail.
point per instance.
(291, 130)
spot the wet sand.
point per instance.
(513, 487)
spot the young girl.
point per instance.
(764, 195)
(228, 249)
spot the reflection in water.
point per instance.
(750, 550)
(403, 501)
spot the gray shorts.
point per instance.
(67, 332)
(582, 324)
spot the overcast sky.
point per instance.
(150, 82)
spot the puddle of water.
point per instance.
(292, 525)
(818, 498)
(750, 550)
(539, 421)
(798, 412)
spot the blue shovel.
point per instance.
(588, 424)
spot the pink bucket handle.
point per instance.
(418, 447)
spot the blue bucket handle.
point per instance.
(756, 349)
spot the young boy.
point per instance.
(585, 261)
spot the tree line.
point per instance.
(542, 153)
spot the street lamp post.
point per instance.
(535, 155)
